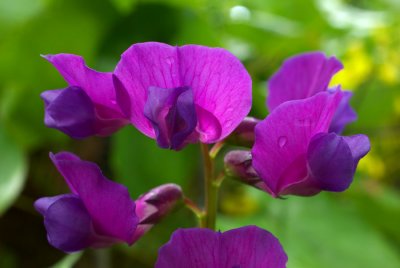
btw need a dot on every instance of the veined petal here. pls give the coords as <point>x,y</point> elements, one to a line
<point>248,246</point>
<point>221,85</point>
<point>281,140</point>
<point>108,203</point>
<point>300,77</point>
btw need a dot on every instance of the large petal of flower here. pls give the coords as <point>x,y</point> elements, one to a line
<point>300,77</point>
<point>282,139</point>
<point>220,84</point>
<point>248,246</point>
<point>108,203</point>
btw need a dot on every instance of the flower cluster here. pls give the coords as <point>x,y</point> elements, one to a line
<point>191,94</point>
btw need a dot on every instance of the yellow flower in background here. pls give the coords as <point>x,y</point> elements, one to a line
<point>373,166</point>
<point>357,67</point>
<point>388,73</point>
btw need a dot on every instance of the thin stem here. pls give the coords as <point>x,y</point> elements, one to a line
<point>215,149</point>
<point>211,189</point>
<point>194,208</point>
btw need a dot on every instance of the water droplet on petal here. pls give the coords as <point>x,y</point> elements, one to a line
<point>282,140</point>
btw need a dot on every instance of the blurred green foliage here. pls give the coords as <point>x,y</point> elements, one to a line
<point>358,228</point>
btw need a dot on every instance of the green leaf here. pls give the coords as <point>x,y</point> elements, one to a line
<point>13,168</point>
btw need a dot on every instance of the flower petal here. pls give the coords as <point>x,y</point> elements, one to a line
<point>359,146</point>
<point>42,204</point>
<point>248,246</point>
<point>172,114</point>
<point>300,77</point>
<point>330,162</point>
<point>71,111</point>
<point>251,246</point>
<point>68,224</point>
<point>220,84</point>
<point>344,114</point>
<point>98,85</point>
<point>195,248</point>
<point>108,203</point>
<point>281,140</point>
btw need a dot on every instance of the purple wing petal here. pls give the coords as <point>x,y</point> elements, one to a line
<point>71,111</point>
<point>300,77</point>
<point>251,246</point>
<point>220,84</point>
<point>359,146</point>
<point>42,204</point>
<point>172,114</point>
<point>68,224</point>
<point>281,141</point>
<point>202,248</point>
<point>195,248</point>
<point>330,162</point>
<point>108,203</point>
<point>99,86</point>
<point>344,114</point>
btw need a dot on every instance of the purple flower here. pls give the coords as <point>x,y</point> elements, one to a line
<point>180,95</point>
<point>87,106</point>
<point>305,75</point>
<point>248,246</point>
<point>98,212</point>
<point>294,153</point>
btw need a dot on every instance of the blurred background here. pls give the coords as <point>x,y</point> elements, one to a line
<point>357,228</point>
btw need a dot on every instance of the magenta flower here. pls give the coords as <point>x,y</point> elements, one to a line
<point>294,153</point>
<point>248,246</point>
<point>99,212</point>
<point>180,95</point>
<point>87,106</point>
<point>305,75</point>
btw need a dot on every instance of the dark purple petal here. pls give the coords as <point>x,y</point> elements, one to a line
<point>71,111</point>
<point>172,114</point>
<point>359,146</point>
<point>344,114</point>
<point>281,141</point>
<point>155,205</point>
<point>68,224</point>
<point>108,203</point>
<point>330,162</point>
<point>221,86</point>
<point>300,77</point>
<point>248,246</point>
<point>42,204</point>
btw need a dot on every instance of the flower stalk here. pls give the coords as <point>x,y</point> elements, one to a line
<point>210,188</point>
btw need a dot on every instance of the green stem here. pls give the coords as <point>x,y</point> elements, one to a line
<point>211,189</point>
